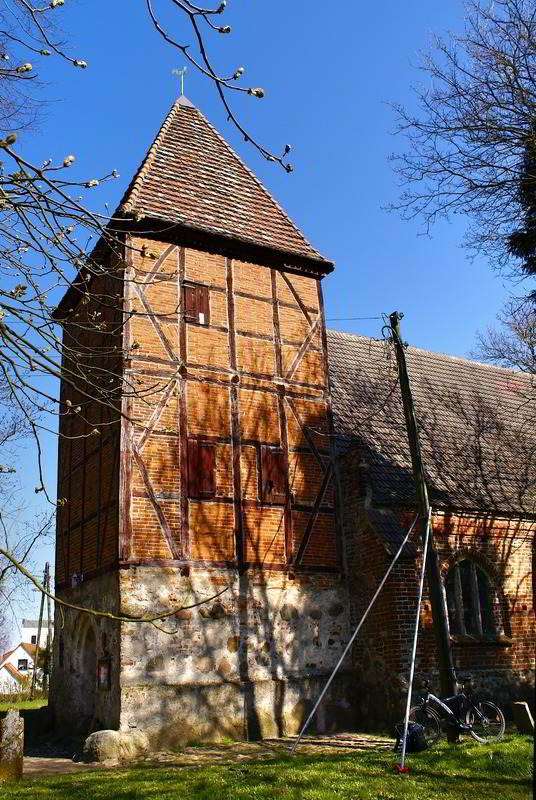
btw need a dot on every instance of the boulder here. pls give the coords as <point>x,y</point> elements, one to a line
<point>115,746</point>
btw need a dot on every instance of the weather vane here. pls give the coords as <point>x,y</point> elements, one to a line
<point>180,74</point>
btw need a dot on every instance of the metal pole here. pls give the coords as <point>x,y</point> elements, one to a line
<point>352,638</point>
<point>447,672</point>
<point>415,637</point>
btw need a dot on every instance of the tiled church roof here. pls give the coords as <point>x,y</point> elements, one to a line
<point>191,176</point>
<point>477,434</point>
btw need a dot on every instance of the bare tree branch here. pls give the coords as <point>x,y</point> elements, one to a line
<point>475,117</point>
<point>54,242</point>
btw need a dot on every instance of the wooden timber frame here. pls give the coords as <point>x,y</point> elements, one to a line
<point>270,379</point>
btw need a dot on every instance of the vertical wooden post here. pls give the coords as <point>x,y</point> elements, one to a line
<point>39,629</point>
<point>48,657</point>
<point>447,673</point>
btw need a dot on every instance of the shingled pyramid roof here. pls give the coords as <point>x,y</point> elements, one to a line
<point>192,177</point>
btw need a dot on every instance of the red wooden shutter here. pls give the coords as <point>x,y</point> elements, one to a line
<point>207,471</point>
<point>273,475</point>
<point>201,469</point>
<point>203,306</point>
<point>191,308</point>
<point>196,304</point>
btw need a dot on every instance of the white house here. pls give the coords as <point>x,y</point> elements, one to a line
<point>11,680</point>
<point>30,629</point>
<point>16,667</point>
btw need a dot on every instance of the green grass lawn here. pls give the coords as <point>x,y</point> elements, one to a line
<point>461,772</point>
<point>39,702</point>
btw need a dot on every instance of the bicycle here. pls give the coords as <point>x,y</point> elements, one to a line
<point>481,719</point>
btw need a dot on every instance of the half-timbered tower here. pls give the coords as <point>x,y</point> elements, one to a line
<point>213,494</point>
<point>196,484</point>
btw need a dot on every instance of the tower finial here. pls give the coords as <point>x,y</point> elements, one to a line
<point>179,73</point>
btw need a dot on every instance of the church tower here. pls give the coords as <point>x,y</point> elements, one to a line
<point>212,493</point>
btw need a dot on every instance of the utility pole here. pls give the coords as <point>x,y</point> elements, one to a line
<point>39,629</point>
<point>447,672</point>
<point>48,657</point>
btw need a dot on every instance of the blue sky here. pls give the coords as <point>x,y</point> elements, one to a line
<point>328,78</point>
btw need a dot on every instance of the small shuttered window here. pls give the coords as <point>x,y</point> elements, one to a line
<point>201,469</point>
<point>196,303</point>
<point>273,475</point>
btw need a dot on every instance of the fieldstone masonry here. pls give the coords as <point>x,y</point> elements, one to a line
<point>247,664</point>
<point>242,665</point>
<point>79,701</point>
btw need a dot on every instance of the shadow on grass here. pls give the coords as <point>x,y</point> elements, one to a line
<point>487,773</point>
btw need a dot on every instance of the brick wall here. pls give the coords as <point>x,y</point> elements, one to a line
<point>503,549</point>
<point>503,668</point>
<point>253,377</point>
<point>88,446</point>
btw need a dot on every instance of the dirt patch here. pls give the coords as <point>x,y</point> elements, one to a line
<point>235,752</point>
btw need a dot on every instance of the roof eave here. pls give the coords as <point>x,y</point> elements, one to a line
<point>317,262</point>
<point>287,260</point>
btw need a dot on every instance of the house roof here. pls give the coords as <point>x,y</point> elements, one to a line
<point>477,435</point>
<point>14,672</point>
<point>191,176</point>
<point>29,649</point>
<point>6,655</point>
<point>34,623</point>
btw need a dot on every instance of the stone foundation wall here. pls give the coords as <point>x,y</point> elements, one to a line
<point>248,663</point>
<point>84,645</point>
<point>173,715</point>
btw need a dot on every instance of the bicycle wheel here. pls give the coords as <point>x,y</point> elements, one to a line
<point>430,722</point>
<point>488,728</point>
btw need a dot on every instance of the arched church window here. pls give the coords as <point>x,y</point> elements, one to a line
<point>472,601</point>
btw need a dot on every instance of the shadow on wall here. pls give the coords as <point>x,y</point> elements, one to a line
<point>225,643</point>
<point>475,458</point>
